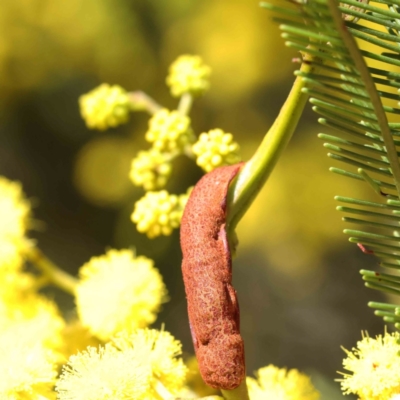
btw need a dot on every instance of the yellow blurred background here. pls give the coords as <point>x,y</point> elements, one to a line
<point>297,276</point>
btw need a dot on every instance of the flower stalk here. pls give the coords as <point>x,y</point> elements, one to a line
<point>53,273</point>
<point>256,171</point>
<point>142,101</point>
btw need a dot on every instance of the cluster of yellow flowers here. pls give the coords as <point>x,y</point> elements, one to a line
<point>134,300</point>
<point>188,72</point>
<point>170,131</point>
<point>109,351</point>
<point>30,325</point>
<point>137,366</point>
<point>170,134</point>
<point>151,169</point>
<point>375,367</point>
<point>216,148</point>
<point>105,107</point>
<point>281,384</point>
<point>15,219</point>
<point>158,213</point>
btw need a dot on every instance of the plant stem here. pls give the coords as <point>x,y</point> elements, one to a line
<point>162,391</point>
<point>140,101</point>
<point>240,393</point>
<point>54,274</point>
<point>256,171</point>
<point>185,104</point>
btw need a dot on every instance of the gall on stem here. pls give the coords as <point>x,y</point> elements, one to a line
<point>207,273</point>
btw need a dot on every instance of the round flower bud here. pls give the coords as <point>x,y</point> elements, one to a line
<point>188,74</point>
<point>169,131</point>
<point>158,213</point>
<point>105,107</point>
<point>150,169</point>
<point>215,149</point>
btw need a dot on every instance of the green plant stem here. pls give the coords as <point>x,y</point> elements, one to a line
<point>140,101</point>
<point>240,393</point>
<point>185,104</point>
<point>53,273</point>
<point>256,171</point>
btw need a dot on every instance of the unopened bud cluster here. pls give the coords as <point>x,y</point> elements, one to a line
<point>169,133</point>
<point>151,169</point>
<point>158,213</point>
<point>188,74</point>
<point>215,149</point>
<point>105,107</point>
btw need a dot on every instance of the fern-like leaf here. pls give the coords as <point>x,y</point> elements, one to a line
<point>359,102</point>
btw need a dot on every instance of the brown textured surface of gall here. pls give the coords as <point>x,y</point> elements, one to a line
<point>207,273</point>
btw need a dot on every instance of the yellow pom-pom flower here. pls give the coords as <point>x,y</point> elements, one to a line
<point>375,367</point>
<point>15,214</point>
<point>27,369</point>
<point>16,288</point>
<point>104,373</point>
<point>21,306</point>
<point>160,350</point>
<point>105,107</point>
<point>76,338</point>
<point>281,384</point>
<point>188,74</point>
<point>169,131</point>
<point>118,291</point>
<point>215,149</point>
<point>143,365</point>
<point>159,213</point>
<point>150,169</point>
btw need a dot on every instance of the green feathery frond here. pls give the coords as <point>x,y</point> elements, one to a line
<point>354,88</point>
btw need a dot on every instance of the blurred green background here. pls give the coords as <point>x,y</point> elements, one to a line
<point>297,277</point>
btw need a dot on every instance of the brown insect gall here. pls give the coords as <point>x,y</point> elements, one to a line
<point>207,273</point>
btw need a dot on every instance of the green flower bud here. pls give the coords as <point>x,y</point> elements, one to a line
<point>215,149</point>
<point>188,74</point>
<point>150,169</point>
<point>169,131</point>
<point>105,107</point>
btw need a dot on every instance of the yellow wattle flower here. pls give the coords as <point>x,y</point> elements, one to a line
<point>150,169</point>
<point>134,365</point>
<point>76,338</point>
<point>15,214</point>
<point>28,370</point>
<point>281,384</point>
<point>161,351</point>
<point>169,131</point>
<point>214,149</point>
<point>375,368</point>
<point>21,307</point>
<point>188,74</point>
<point>104,373</point>
<point>159,213</point>
<point>119,291</point>
<point>105,107</point>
